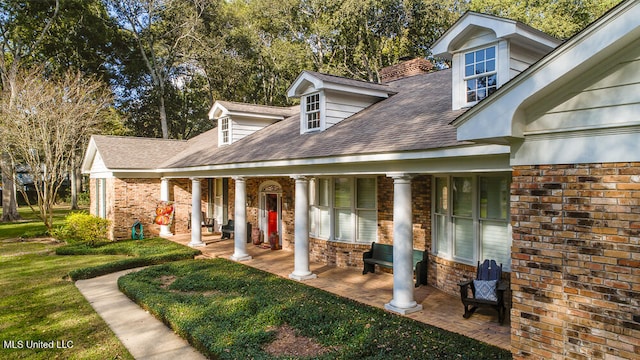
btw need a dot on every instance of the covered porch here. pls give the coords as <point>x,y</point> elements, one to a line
<point>438,308</point>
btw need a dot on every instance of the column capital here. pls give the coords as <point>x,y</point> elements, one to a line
<point>300,177</point>
<point>401,176</point>
<point>239,178</point>
<point>195,179</point>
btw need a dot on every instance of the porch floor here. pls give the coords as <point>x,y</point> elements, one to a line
<point>438,308</point>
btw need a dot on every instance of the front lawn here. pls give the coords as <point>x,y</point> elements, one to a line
<point>230,311</point>
<point>30,225</point>
<point>39,306</point>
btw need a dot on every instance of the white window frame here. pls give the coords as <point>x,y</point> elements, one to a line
<point>478,221</point>
<point>316,209</point>
<point>224,124</point>
<point>475,76</point>
<point>318,111</point>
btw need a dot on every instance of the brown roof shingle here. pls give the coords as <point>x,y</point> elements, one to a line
<point>418,117</point>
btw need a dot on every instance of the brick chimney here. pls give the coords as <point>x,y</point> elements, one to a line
<point>405,69</point>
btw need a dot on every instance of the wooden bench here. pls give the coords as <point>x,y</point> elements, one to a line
<point>382,255</point>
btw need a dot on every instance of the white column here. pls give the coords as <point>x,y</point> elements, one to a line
<point>196,213</point>
<point>240,222</point>
<point>301,269</point>
<point>165,230</point>
<point>403,298</point>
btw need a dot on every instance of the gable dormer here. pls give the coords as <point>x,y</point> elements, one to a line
<point>487,51</point>
<point>325,100</point>
<point>237,120</point>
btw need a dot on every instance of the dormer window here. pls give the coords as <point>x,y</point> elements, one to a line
<point>312,112</point>
<point>480,73</point>
<point>224,130</point>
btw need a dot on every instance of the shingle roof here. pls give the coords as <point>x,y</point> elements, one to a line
<point>350,82</point>
<point>121,152</point>
<point>260,109</point>
<point>418,117</point>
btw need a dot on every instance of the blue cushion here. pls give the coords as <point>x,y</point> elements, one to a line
<point>485,289</point>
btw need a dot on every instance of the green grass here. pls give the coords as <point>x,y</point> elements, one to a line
<point>140,253</point>
<point>37,303</point>
<point>30,225</point>
<point>229,311</point>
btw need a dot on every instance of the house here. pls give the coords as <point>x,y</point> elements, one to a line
<point>526,151</point>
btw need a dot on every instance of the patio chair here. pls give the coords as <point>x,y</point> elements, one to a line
<point>487,289</point>
<point>227,230</point>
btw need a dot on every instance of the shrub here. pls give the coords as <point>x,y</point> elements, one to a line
<point>80,227</point>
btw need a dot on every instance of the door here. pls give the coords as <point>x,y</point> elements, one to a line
<point>270,209</point>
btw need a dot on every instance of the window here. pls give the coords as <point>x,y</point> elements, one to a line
<point>101,198</point>
<point>344,209</point>
<point>470,218</point>
<point>312,112</point>
<point>224,130</point>
<point>480,73</point>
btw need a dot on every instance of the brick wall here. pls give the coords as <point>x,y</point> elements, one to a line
<point>576,261</point>
<point>136,200</point>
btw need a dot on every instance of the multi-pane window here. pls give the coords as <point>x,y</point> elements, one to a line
<point>344,209</point>
<point>480,73</point>
<point>224,130</point>
<point>470,218</point>
<point>312,111</point>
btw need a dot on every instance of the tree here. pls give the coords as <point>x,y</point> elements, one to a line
<point>15,22</point>
<point>57,35</point>
<point>46,122</point>
<point>163,32</point>
<point>559,18</point>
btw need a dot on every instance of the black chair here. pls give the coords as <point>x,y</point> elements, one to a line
<point>487,290</point>
<point>227,230</point>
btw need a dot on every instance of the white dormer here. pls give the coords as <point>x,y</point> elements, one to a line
<point>487,51</point>
<point>325,100</point>
<point>237,120</point>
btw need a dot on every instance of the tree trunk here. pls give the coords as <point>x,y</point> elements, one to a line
<point>9,204</point>
<point>163,115</point>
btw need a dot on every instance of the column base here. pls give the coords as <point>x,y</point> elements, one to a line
<point>239,258</point>
<point>197,244</point>
<point>403,311</point>
<point>303,277</point>
<point>166,234</point>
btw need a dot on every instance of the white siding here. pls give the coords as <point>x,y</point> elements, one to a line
<point>341,106</point>
<point>594,119</point>
<point>612,99</point>
<point>245,126</point>
<point>521,58</point>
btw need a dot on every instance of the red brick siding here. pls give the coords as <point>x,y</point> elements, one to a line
<point>576,261</point>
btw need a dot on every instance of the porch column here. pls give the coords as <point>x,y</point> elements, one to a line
<point>240,222</point>
<point>196,213</point>
<point>403,300</point>
<point>301,269</point>
<point>165,230</point>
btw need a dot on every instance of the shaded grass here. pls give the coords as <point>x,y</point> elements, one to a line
<point>229,311</point>
<point>38,304</point>
<point>30,225</point>
<point>140,253</point>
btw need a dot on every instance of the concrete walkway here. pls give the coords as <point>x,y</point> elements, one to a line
<point>142,334</point>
